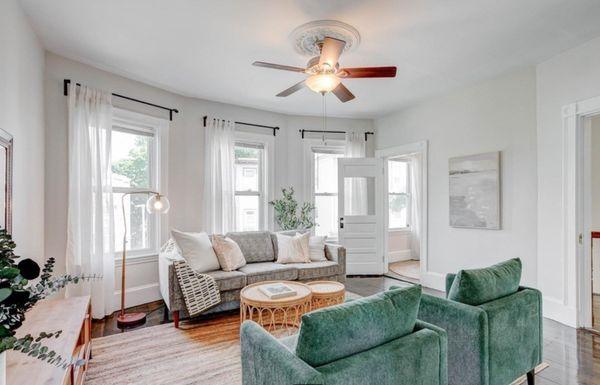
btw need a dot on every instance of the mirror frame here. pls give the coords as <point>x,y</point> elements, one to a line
<point>6,141</point>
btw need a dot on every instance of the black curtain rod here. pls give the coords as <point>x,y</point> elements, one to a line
<point>274,128</point>
<point>66,83</point>
<point>333,132</point>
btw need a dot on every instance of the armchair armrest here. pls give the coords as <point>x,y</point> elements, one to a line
<point>266,361</point>
<point>420,325</point>
<point>467,328</point>
<point>336,253</point>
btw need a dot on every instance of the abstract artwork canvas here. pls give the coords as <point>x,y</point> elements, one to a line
<point>475,191</point>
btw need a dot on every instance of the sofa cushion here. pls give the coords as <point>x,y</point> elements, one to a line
<point>268,271</point>
<point>256,246</point>
<point>335,332</point>
<point>228,280</point>
<point>478,286</point>
<point>316,269</point>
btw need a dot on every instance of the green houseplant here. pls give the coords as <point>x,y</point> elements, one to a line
<point>18,294</point>
<point>286,212</point>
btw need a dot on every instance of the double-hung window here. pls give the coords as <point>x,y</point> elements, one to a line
<point>250,184</point>
<point>398,194</point>
<point>134,161</point>
<point>324,166</point>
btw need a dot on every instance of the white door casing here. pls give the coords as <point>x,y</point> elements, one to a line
<point>362,233</point>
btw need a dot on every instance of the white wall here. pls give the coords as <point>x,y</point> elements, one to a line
<point>399,246</point>
<point>186,154</point>
<point>22,115</point>
<point>564,79</point>
<point>495,115</point>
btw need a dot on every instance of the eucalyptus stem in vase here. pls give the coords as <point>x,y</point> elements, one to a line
<point>19,293</point>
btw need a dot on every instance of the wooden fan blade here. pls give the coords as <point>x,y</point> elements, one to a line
<point>367,72</point>
<point>331,51</point>
<point>292,89</point>
<point>343,93</point>
<point>278,66</point>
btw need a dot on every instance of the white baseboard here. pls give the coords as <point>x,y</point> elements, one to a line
<point>433,280</point>
<point>399,255</point>
<point>557,311</point>
<point>138,295</point>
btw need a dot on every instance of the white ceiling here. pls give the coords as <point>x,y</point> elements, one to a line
<point>205,48</point>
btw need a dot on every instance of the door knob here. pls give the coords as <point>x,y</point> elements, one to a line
<point>341,223</point>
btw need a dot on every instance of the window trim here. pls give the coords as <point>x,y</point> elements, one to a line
<point>133,122</point>
<point>336,146</point>
<point>266,175</point>
<point>407,228</point>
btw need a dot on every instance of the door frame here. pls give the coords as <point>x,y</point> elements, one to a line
<point>577,200</point>
<point>428,278</point>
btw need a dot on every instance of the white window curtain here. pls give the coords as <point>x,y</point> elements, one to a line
<point>90,227</point>
<point>355,189</point>
<point>219,162</point>
<point>416,172</point>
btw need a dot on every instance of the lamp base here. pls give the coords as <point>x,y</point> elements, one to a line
<point>131,319</point>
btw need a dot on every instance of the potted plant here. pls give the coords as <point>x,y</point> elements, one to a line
<point>286,212</point>
<point>19,293</point>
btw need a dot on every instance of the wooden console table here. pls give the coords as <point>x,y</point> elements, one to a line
<point>71,315</point>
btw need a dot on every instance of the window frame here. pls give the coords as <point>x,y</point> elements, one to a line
<point>265,176</point>
<point>407,228</point>
<point>310,145</point>
<point>141,124</point>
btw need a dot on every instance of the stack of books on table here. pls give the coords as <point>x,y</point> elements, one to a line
<point>277,290</point>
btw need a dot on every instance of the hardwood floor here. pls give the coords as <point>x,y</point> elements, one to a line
<point>573,355</point>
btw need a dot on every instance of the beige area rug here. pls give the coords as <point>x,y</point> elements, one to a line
<point>408,270</point>
<point>206,352</point>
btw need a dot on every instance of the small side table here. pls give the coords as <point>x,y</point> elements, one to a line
<point>275,314</point>
<point>326,293</point>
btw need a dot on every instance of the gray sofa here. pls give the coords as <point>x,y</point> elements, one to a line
<point>260,251</point>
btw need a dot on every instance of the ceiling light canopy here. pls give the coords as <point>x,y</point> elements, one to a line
<point>322,83</point>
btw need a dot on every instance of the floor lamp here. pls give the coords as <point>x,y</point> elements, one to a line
<point>156,203</point>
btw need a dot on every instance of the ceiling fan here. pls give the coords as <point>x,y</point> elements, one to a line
<point>326,74</point>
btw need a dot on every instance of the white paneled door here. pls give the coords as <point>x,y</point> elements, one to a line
<point>360,208</point>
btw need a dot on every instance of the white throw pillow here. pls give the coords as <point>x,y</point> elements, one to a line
<point>228,252</point>
<point>293,249</point>
<point>316,246</point>
<point>197,251</point>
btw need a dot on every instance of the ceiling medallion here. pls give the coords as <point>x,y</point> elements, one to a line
<point>305,37</point>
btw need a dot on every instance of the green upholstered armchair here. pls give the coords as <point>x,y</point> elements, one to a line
<point>496,336</point>
<point>372,340</point>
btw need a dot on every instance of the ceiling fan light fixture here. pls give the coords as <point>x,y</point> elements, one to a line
<point>322,82</point>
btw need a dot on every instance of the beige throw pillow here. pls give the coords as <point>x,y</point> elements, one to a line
<point>293,249</point>
<point>316,245</point>
<point>197,251</point>
<point>228,252</point>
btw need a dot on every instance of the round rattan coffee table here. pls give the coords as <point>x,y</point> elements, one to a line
<point>326,293</point>
<point>275,314</point>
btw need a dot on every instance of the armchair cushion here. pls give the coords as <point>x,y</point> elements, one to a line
<point>478,286</point>
<point>413,359</point>
<point>332,333</point>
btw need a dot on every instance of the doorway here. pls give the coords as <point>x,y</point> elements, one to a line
<point>404,208</point>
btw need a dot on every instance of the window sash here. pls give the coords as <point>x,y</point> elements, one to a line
<point>261,176</point>
<point>144,130</point>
